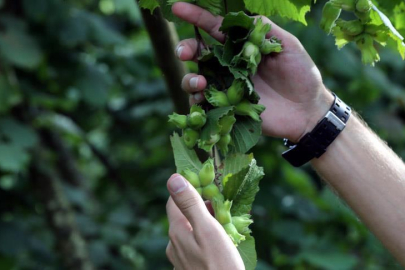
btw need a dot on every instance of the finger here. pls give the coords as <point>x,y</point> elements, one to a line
<point>170,252</point>
<point>188,201</point>
<point>200,18</point>
<point>196,98</point>
<point>192,83</point>
<point>180,231</point>
<point>186,50</point>
<point>174,215</point>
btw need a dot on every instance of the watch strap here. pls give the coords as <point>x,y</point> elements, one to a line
<point>315,143</point>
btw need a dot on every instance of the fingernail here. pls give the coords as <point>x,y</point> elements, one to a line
<point>194,82</point>
<point>198,97</point>
<point>179,50</point>
<point>177,184</point>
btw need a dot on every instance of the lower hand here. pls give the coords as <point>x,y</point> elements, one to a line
<point>289,83</point>
<point>197,240</point>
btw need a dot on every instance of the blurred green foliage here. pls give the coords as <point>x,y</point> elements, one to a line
<point>84,70</point>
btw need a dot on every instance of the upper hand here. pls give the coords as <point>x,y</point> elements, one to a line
<point>197,240</point>
<point>289,83</point>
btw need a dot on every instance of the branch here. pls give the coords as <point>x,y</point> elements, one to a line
<point>66,162</point>
<point>164,39</point>
<point>60,217</point>
<point>114,175</point>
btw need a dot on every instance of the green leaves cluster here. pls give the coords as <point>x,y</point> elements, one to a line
<point>228,122</point>
<point>239,180</point>
<point>291,9</point>
<point>232,120</point>
<point>16,139</point>
<point>17,46</point>
<point>370,26</point>
<point>378,22</point>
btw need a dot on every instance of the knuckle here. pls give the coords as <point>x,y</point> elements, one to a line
<point>173,236</point>
<point>168,250</point>
<point>198,21</point>
<point>296,42</point>
<point>188,203</point>
<point>215,28</point>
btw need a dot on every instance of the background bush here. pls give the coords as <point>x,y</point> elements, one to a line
<point>83,125</point>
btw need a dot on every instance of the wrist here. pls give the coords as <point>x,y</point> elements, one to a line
<point>318,109</point>
<point>316,142</point>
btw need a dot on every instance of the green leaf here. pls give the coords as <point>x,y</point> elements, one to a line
<point>212,68</point>
<point>185,159</point>
<point>243,74</point>
<point>341,38</point>
<point>213,6</point>
<point>291,9</point>
<point>235,5</point>
<point>149,4</point>
<point>233,163</point>
<point>166,8</point>
<point>225,54</point>
<point>9,95</point>
<point>393,34</point>
<point>102,32</point>
<point>36,10</point>
<point>245,134</point>
<point>399,16</point>
<point>247,251</point>
<point>212,126</point>
<point>12,157</point>
<point>300,181</point>
<point>389,5</point>
<point>236,21</point>
<point>17,46</point>
<point>232,182</point>
<point>235,169</point>
<point>329,260</point>
<point>94,85</point>
<point>246,193</point>
<point>76,30</point>
<point>17,133</point>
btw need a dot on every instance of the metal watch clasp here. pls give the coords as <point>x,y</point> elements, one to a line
<point>332,118</point>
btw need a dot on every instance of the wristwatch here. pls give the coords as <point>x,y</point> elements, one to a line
<point>315,143</point>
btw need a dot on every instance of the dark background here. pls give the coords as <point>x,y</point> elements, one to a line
<point>85,152</point>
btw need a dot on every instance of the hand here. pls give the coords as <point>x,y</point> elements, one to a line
<point>197,240</point>
<point>289,83</point>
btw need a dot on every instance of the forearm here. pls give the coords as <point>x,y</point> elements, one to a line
<point>370,177</point>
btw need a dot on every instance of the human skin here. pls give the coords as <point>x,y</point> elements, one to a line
<point>358,165</point>
<point>195,235</point>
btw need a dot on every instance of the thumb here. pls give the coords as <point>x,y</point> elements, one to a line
<point>188,200</point>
